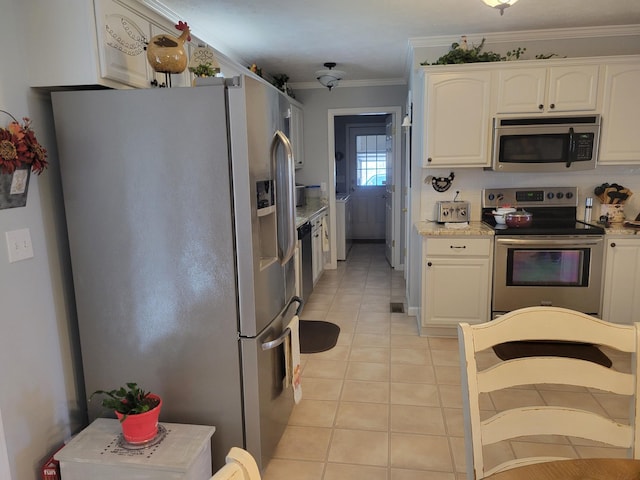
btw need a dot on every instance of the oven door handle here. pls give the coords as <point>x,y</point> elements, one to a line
<point>553,242</point>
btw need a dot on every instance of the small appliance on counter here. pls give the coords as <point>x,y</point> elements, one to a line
<point>301,199</point>
<point>452,211</point>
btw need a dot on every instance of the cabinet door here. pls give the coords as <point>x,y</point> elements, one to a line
<point>455,290</point>
<point>572,88</point>
<point>621,302</point>
<point>297,137</point>
<point>122,38</point>
<point>619,139</point>
<point>457,119</point>
<point>543,90</point>
<point>521,90</point>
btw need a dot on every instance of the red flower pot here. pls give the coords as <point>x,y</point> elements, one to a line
<point>141,427</point>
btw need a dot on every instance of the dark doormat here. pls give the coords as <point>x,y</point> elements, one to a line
<point>581,351</point>
<point>317,336</point>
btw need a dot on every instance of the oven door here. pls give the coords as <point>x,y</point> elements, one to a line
<point>559,271</point>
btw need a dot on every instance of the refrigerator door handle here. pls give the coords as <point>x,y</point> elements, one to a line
<point>284,192</point>
<point>278,341</point>
<point>300,304</point>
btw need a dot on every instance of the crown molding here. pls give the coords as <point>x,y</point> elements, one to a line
<point>382,82</point>
<point>530,35</point>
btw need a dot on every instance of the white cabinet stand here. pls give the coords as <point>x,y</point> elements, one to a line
<point>95,453</point>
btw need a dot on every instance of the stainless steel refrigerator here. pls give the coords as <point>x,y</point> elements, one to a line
<point>180,210</point>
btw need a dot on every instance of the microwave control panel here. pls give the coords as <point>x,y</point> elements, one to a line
<point>584,146</point>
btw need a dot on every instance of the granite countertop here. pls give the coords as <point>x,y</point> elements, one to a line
<point>433,229</point>
<point>620,229</point>
<point>312,208</point>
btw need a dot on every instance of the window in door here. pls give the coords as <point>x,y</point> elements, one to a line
<point>371,160</point>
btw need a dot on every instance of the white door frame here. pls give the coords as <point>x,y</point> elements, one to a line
<point>397,150</point>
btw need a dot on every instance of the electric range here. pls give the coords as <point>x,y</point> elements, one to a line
<point>557,261</point>
<point>553,208</point>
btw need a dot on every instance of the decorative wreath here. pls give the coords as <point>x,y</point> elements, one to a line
<point>19,147</point>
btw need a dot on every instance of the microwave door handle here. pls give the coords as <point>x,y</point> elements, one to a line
<point>571,149</point>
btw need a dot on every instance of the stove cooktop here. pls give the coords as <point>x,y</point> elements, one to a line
<point>542,227</point>
<point>553,209</point>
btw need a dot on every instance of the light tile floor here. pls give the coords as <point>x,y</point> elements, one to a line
<point>385,403</point>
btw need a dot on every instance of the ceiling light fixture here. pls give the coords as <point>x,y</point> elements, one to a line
<point>329,78</point>
<point>500,4</point>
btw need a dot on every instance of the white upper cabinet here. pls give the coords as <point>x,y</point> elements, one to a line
<point>122,38</point>
<point>296,133</point>
<point>619,138</point>
<point>457,123</point>
<point>571,88</point>
<point>99,42</point>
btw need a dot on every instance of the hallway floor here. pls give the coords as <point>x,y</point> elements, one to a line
<point>385,404</point>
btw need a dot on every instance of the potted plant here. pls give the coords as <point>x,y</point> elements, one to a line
<point>205,70</point>
<point>137,410</point>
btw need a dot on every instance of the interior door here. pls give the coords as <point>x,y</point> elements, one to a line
<point>388,195</point>
<point>367,160</point>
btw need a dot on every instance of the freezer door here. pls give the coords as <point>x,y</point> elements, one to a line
<point>268,401</point>
<point>264,203</point>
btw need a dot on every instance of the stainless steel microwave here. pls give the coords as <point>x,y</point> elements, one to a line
<point>545,144</point>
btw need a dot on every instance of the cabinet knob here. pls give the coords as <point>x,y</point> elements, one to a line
<point>429,264</point>
<point>613,244</point>
<point>540,107</point>
<point>429,159</point>
<point>552,106</point>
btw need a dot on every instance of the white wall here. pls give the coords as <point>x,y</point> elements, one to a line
<point>317,103</point>
<point>38,393</point>
<point>577,42</point>
<point>470,183</point>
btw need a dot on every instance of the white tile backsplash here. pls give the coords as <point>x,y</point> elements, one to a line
<point>470,182</point>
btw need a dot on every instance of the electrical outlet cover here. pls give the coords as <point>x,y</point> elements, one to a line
<point>19,245</point>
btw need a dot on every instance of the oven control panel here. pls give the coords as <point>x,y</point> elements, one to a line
<point>530,197</point>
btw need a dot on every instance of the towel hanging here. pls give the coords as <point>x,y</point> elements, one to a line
<point>325,235</point>
<point>293,369</point>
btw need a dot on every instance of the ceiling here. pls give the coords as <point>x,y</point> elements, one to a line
<point>369,39</point>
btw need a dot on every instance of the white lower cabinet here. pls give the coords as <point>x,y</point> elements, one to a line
<point>456,283</point>
<point>621,299</point>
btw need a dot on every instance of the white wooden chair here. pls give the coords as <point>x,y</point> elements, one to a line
<point>240,465</point>
<point>554,324</point>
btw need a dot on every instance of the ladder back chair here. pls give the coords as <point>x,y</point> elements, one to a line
<point>554,325</point>
<point>240,465</point>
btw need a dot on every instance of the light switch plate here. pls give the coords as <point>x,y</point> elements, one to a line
<point>19,245</point>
